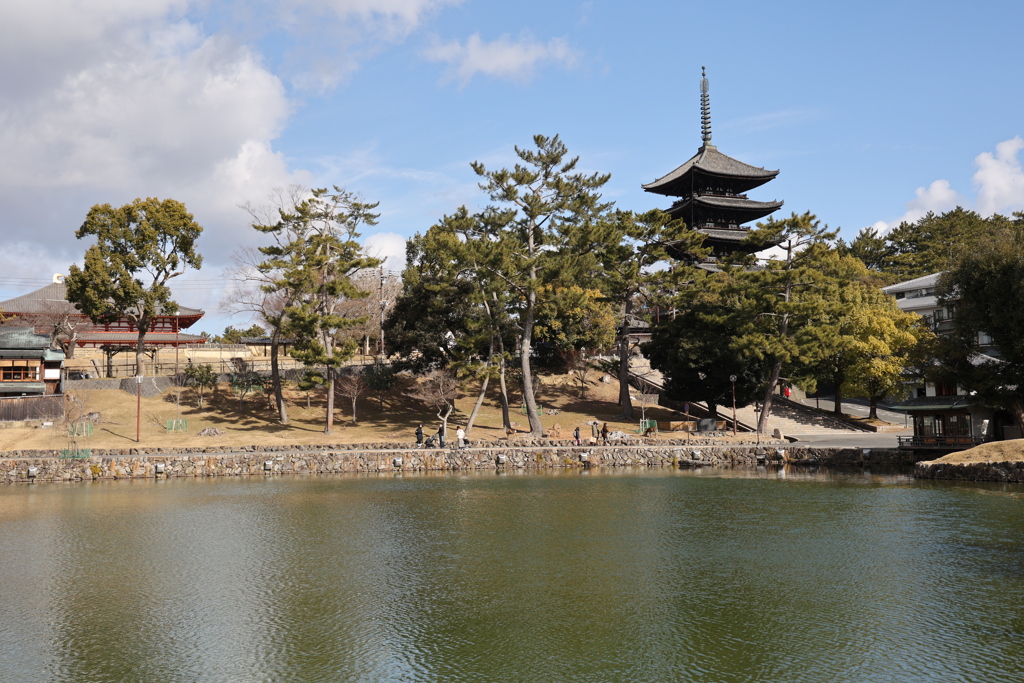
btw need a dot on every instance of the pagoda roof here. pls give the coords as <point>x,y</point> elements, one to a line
<point>742,208</point>
<point>741,203</point>
<point>712,162</point>
<point>53,298</point>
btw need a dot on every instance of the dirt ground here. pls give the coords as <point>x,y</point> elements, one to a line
<point>253,422</point>
<point>996,451</point>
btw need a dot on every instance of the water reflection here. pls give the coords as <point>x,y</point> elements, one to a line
<point>592,575</point>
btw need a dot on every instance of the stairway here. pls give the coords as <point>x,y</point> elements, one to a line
<point>789,418</point>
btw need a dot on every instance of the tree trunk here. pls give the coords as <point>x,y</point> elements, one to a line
<point>1017,409</point>
<point>840,379</point>
<point>354,409</point>
<point>766,408</point>
<point>873,412</point>
<point>624,400</point>
<point>140,348</point>
<point>524,361</point>
<point>275,376</point>
<point>506,419</point>
<point>483,387</point>
<point>330,401</point>
<point>444,420</point>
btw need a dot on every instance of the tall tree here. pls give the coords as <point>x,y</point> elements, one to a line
<point>139,248</point>
<point>639,243</point>
<point>863,340</point>
<point>315,254</point>
<point>986,286</point>
<point>776,303</point>
<point>696,353</point>
<point>546,210</point>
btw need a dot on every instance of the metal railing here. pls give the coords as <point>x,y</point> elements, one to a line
<point>941,442</point>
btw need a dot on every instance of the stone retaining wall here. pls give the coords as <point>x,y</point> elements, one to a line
<point>269,462</point>
<point>979,471</point>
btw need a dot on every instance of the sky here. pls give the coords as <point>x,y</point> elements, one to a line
<point>874,112</point>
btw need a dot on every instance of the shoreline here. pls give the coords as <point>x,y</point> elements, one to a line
<point>276,460</point>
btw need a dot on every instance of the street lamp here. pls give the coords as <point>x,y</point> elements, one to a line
<point>732,378</point>
<point>138,407</point>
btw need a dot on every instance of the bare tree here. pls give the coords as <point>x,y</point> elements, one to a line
<point>438,389</point>
<point>384,287</point>
<point>578,366</point>
<point>352,386</point>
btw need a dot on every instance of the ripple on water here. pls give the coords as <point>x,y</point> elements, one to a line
<point>632,577</point>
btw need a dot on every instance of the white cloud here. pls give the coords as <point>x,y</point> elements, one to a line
<point>515,60</point>
<point>937,197</point>
<point>389,246</point>
<point>999,179</point>
<point>998,183</point>
<point>329,39</point>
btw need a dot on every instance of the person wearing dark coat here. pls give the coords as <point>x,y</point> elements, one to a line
<point>440,436</point>
<point>604,434</point>
<point>419,435</point>
<point>576,436</point>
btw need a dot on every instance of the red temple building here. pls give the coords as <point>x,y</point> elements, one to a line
<point>711,191</point>
<point>45,307</point>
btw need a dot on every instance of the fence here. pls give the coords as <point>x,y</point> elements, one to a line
<point>100,369</point>
<point>31,408</point>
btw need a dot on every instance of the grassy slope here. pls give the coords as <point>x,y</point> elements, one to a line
<point>256,423</point>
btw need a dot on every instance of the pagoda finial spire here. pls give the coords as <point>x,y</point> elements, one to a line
<point>705,109</point>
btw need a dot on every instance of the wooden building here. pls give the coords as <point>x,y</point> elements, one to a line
<point>28,366</point>
<point>45,307</point>
<point>710,191</point>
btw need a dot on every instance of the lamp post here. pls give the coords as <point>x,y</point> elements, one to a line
<point>138,407</point>
<point>732,378</point>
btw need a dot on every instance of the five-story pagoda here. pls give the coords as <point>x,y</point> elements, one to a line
<point>711,189</point>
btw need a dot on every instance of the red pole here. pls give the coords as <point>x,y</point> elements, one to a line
<point>138,409</point>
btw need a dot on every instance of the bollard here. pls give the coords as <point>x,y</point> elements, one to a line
<point>159,468</point>
<point>397,462</point>
<point>500,459</point>
<point>584,457</point>
<point>268,465</point>
<point>32,472</point>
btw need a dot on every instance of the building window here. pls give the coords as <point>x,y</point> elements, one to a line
<point>945,389</point>
<point>20,373</point>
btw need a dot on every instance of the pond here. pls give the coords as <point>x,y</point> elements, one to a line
<point>627,575</point>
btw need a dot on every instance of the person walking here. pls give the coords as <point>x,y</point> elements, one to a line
<point>576,436</point>
<point>460,435</point>
<point>604,434</point>
<point>440,436</point>
<point>419,435</point>
<point>595,433</point>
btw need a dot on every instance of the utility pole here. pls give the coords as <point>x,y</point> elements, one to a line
<point>383,305</point>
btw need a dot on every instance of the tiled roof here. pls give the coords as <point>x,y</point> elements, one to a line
<point>93,336</point>
<point>710,160</point>
<point>23,338</point>
<point>53,298</point>
<point>916,283</point>
<point>736,203</point>
<point>933,403</point>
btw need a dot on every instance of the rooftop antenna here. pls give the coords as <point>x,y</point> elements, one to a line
<point>705,110</point>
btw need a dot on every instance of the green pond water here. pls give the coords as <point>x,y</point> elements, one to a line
<point>746,575</point>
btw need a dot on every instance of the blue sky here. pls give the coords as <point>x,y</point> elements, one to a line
<point>872,111</point>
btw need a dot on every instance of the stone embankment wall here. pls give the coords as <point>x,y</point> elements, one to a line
<point>978,471</point>
<point>267,461</point>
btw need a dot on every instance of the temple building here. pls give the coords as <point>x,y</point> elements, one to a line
<point>711,191</point>
<point>47,308</point>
